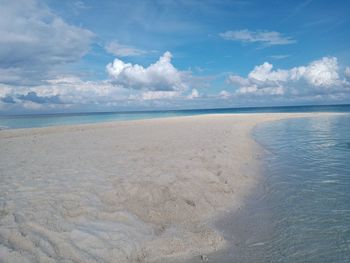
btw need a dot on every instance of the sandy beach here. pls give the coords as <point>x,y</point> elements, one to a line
<point>134,191</point>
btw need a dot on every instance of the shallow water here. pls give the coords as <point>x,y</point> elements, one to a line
<point>308,189</point>
<point>301,210</point>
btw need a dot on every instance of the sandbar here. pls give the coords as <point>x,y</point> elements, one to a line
<point>131,191</point>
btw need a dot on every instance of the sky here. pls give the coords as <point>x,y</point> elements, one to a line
<point>85,55</point>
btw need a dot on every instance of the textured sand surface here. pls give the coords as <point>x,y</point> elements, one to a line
<point>138,191</point>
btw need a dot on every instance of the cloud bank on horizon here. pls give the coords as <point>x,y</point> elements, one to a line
<point>58,57</point>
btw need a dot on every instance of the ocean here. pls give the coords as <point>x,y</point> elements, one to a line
<point>44,120</point>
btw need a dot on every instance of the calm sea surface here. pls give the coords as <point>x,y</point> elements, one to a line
<point>301,210</point>
<point>30,121</point>
<point>307,189</point>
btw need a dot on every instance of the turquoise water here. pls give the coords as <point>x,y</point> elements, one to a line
<point>32,121</point>
<point>29,121</point>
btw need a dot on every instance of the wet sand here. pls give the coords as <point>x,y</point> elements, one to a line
<point>135,191</point>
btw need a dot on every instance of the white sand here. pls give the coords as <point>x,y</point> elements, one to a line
<point>137,191</point>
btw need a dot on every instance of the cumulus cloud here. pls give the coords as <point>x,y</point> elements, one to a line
<point>34,40</point>
<point>194,94</point>
<point>321,73</point>
<point>160,76</point>
<point>64,90</point>
<point>8,99</point>
<point>33,97</point>
<point>157,95</point>
<point>31,100</point>
<point>240,81</point>
<point>347,72</point>
<point>71,91</point>
<point>267,38</point>
<point>224,94</point>
<point>319,77</point>
<point>121,50</point>
<point>30,105</point>
<point>129,85</point>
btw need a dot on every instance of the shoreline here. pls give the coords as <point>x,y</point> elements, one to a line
<point>114,121</point>
<point>136,191</point>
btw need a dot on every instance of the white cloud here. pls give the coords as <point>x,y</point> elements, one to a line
<point>254,89</point>
<point>71,91</point>
<point>160,76</point>
<point>323,72</point>
<point>268,38</point>
<point>347,72</point>
<point>157,95</point>
<point>4,90</point>
<point>80,5</point>
<point>224,94</point>
<point>235,79</point>
<point>121,50</point>
<point>34,39</point>
<point>30,105</point>
<point>130,86</point>
<point>319,77</point>
<point>66,90</point>
<point>279,56</point>
<point>194,94</point>
<point>264,73</point>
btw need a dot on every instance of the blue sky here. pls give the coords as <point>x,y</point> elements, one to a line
<point>66,56</point>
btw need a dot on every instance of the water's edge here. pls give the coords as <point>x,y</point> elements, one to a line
<point>273,225</point>
<point>244,229</point>
<point>46,120</point>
